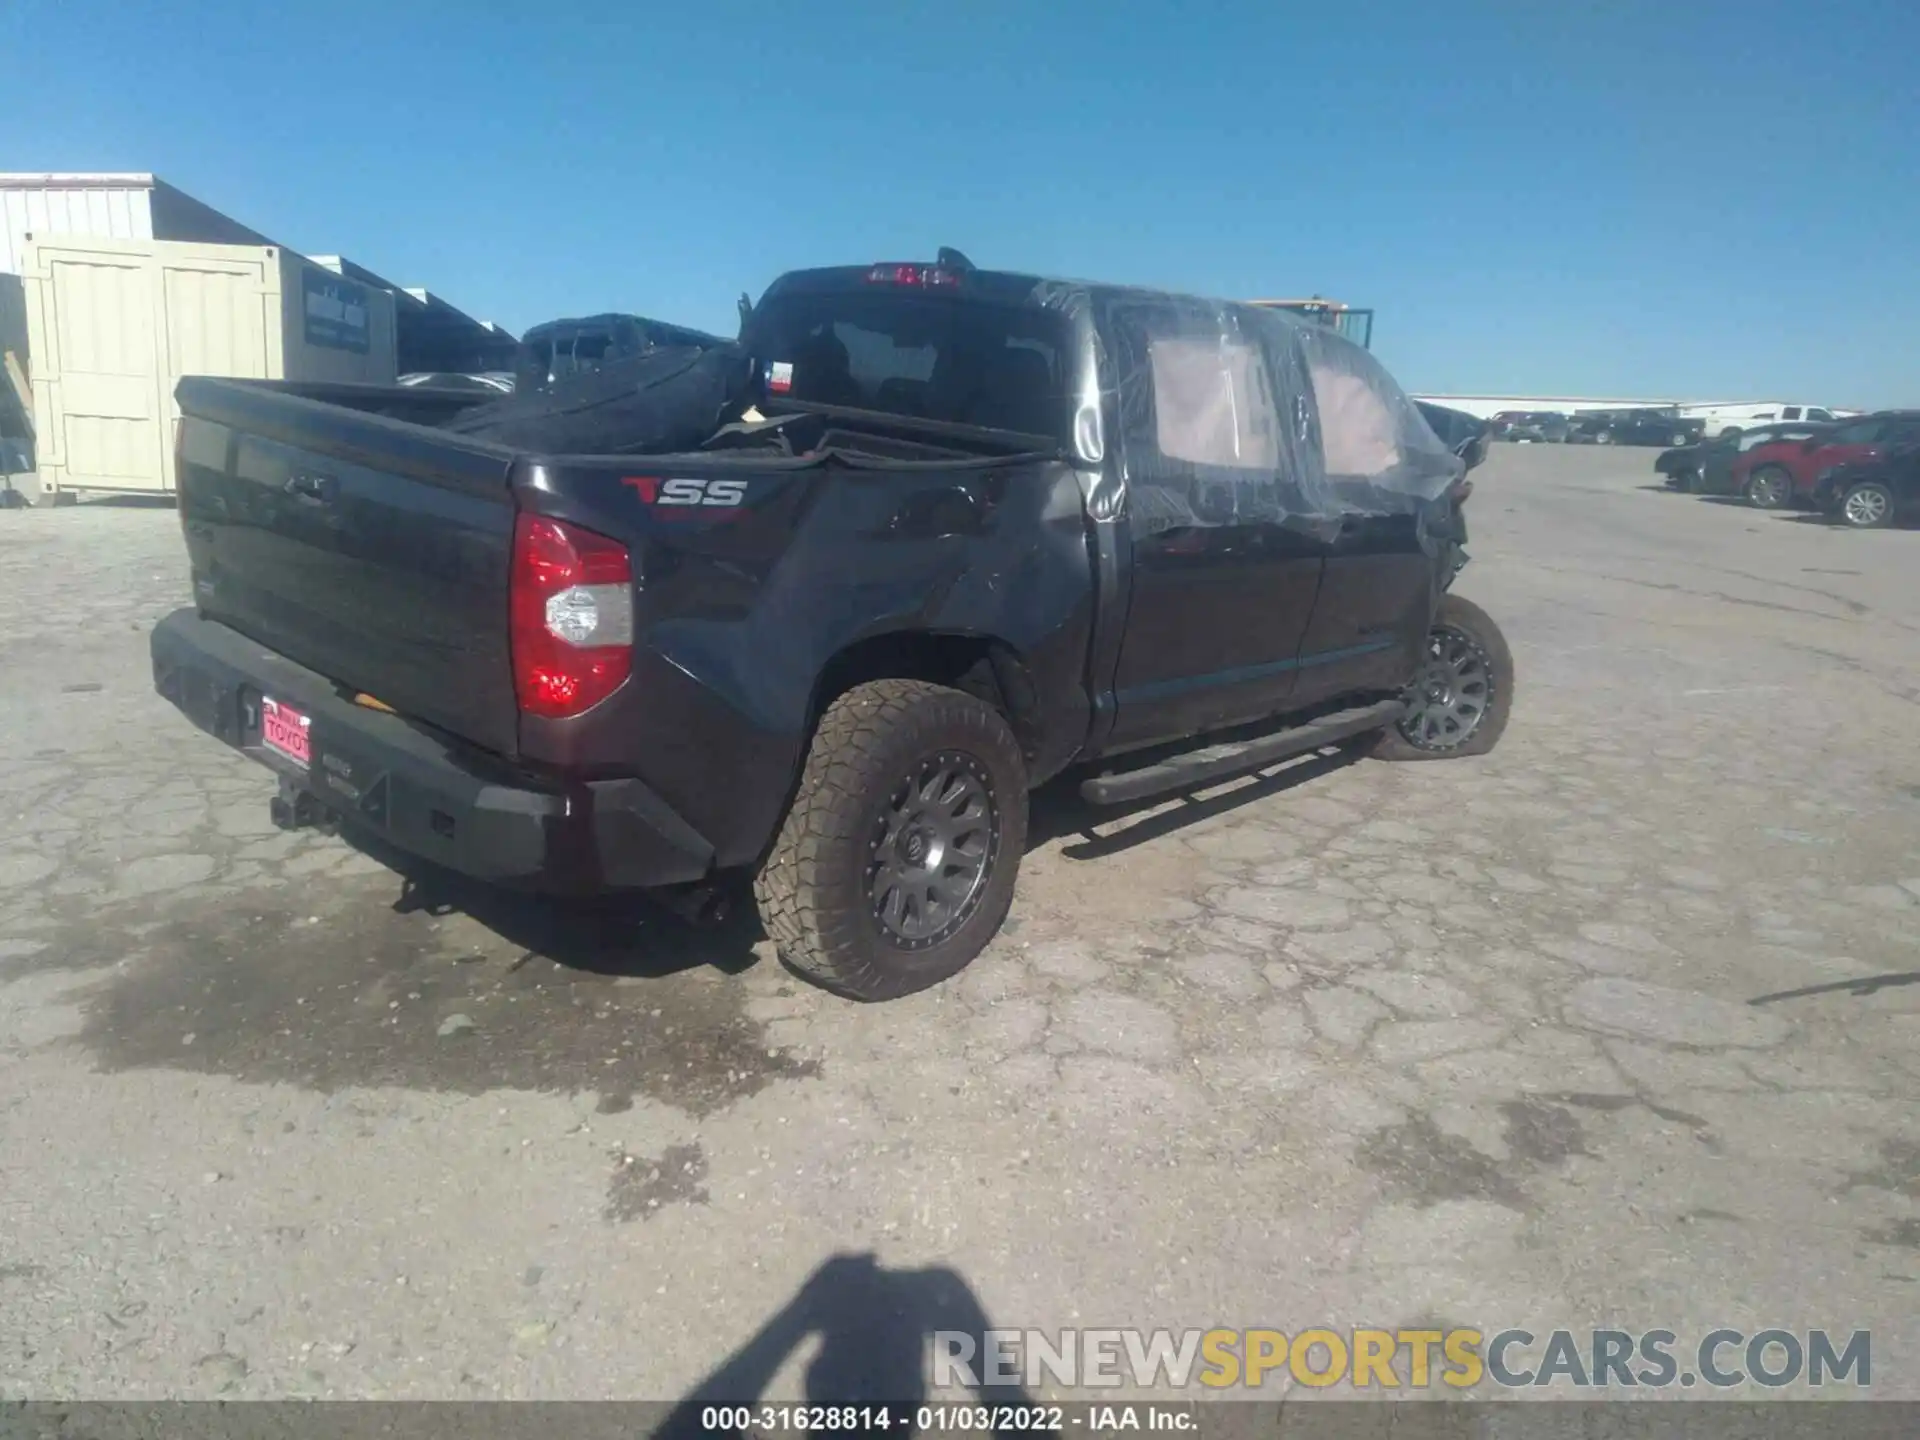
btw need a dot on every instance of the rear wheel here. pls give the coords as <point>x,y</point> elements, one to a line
<point>1867,505</point>
<point>1769,488</point>
<point>1459,701</point>
<point>896,864</point>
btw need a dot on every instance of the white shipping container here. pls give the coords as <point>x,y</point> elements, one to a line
<point>114,324</point>
<point>106,206</point>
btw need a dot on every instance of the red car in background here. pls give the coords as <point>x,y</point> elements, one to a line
<point>1787,472</point>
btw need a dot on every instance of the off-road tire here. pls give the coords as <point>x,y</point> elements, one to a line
<point>1463,618</point>
<point>813,893</point>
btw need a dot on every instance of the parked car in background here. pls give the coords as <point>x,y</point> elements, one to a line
<point>1873,494</point>
<point>1526,427</point>
<point>1468,436</point>
<point>1706,466</point>
<point>1633,427</point>
<point>1785,472</point>
<point>1719,420</point>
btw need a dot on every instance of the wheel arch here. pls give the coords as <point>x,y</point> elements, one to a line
<point>988,667</point>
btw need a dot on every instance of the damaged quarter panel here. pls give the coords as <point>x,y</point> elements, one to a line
<point>739,619</point>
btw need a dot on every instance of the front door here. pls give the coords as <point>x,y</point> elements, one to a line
<point>1370,619</point>
<point>1382,573</point>
<point>1221,588</point>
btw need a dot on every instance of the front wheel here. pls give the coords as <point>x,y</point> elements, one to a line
<point>897,861</point>
<point>1867,505</point>
<point>1769,488</point>
<point>1459,701</point>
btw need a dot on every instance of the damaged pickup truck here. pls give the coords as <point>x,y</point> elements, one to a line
<point>822,606</point>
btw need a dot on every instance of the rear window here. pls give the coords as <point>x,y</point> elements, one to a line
<point>967,363</point>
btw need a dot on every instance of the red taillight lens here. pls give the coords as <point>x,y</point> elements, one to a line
<point>570,615</point>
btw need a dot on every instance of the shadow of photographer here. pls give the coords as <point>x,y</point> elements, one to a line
<point>875,1327</point>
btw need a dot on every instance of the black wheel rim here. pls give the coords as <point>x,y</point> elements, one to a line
<point>1452,694</point>
<point>932,851</point>
<point>1866,506</point>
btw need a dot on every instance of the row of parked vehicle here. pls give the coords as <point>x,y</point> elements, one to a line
<point>1646,426</point>
<point>1864,472</point>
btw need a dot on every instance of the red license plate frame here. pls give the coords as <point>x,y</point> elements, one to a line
<point>287,732</point>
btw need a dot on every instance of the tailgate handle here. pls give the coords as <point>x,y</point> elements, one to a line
<point>318,488</point>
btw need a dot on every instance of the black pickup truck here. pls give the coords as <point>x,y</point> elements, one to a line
<point>953,533</point>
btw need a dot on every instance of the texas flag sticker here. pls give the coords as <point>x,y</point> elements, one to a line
<point>779,377</point>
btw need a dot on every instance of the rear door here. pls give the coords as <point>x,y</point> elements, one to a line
<point>369,550</point>
<point>1221,587</point>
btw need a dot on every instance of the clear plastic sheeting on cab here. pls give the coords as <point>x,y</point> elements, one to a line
<point>1378,454</point>
<point>1228,414</point>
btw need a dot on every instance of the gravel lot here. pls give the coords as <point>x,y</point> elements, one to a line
<point>1351,1044</point>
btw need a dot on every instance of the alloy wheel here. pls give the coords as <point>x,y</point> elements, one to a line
<point>1768,490</point>
<point>1451,695</point>
<point>1866,507</point>
<point>933,847</point>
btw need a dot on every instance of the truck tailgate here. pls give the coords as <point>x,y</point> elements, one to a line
<point>372,551</point>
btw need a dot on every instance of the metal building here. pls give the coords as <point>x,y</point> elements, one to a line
<point>107,207</point>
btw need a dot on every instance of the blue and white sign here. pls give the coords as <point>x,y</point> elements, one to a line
<point>336,312</point>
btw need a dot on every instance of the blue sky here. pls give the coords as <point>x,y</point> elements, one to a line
<point>1716,198</point>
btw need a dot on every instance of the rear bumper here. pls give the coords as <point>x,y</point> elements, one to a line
<point>383,776</point>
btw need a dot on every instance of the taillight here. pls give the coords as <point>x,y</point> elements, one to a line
<point>570,613</point>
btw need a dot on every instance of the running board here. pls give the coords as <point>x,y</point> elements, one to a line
<point>1217,762</point>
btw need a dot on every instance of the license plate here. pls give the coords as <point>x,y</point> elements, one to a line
<point>286,731</point>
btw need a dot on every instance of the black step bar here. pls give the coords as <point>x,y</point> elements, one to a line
<point>1217,762</point>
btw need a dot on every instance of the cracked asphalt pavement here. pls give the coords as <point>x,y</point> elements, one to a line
<point>1617,1026</point>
